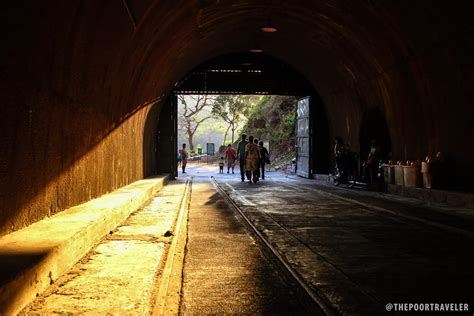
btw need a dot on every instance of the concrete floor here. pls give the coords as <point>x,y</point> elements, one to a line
<point>358,250</point>
<point>227,271</point>
<point>362,250</point>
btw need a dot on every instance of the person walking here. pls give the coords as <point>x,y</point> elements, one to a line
<point>252,156</point>
<point>230,156</point>
<point>241,156</point>
<point>221,165</point>
<point>257,172</point>
<point>184,157</point>
<point>264,159</point>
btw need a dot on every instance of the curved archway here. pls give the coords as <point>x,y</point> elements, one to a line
<point>244,73</point>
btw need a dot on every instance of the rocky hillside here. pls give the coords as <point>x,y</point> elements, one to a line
<point>273,119</point>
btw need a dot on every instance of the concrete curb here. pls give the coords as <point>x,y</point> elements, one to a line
<point>385,210</point>
<point>33,258</point>
<point>451,198</point>
<point>168,298</point>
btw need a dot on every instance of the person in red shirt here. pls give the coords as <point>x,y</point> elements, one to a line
<point>230,156</point>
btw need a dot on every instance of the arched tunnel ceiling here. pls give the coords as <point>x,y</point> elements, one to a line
<point>356,54</point>
<point>334,44</point>
<point>244,73</point>
<point>409,59</point>
<point>84,81</point>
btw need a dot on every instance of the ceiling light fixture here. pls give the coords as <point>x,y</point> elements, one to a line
<point>269,29</point>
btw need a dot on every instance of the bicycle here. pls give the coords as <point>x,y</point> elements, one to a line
<point>347,170</point>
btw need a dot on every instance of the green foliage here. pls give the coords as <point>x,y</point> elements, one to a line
<point>233,110</point>
<point>269,118</point>
<point>289,122</point>
<point>259,105</point>
<point>279,114</point>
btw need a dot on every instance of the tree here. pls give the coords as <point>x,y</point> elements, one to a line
<point>192,115</point>
<point>232,109</point>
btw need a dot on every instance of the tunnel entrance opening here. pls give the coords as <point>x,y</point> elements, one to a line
<point>245,74</point>
<point>209,124</point>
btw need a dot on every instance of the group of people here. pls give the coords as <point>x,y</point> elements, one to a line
<point>252,156</point>
<point>251,153</point>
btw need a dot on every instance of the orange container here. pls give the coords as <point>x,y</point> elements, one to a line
<point>427,180</point>
<point>411,176</point>
<point>425,167</point>
<point>398,175</point>
<point>389,174</point>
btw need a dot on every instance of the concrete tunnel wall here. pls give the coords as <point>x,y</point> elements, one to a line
<point>83,82</point>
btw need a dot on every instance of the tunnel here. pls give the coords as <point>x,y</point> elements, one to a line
<point>246,73</point>
<point>87,86</point>
<point>88,132</point>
